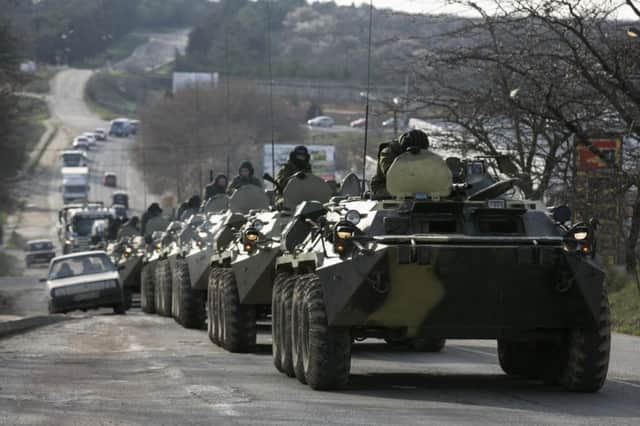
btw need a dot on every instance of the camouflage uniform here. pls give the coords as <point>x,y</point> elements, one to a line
<point>298,162</point>
<point>240,180</point>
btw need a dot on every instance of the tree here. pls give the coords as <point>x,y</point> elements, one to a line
<point>551,71</point>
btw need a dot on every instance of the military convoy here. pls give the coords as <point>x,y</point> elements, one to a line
<point>451,253</point>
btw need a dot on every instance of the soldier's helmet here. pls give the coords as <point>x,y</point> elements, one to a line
<point>414,140</point>
<point>300,155</point>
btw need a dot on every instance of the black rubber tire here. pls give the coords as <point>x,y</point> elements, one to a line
<point>190,303</point>
<point>326,351</point>
<point>147,290</point>
<point>128,297</point>
<point>523,359</point>
<point>297,300</point>
<point>275,320</point>
<point>119,309</point>
<point>238,322</point>
<point>175,297</point>
<point>587,351</point>
<point>286,350</point>
<point>212,300</point>
<point>163,288</point>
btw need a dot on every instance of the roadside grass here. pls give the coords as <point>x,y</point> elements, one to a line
<point>624,298</point>
<point>39,83</point>
<point>119,51</point>
<point>7,267</point>
<point>34,112</point>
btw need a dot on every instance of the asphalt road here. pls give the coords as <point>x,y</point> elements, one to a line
<point>140,369</point>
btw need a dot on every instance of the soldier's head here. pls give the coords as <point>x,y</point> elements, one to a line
<point>134,221</point>
<point>300,156</point>
<point>414,140</point>
<point>246,169</point>
<point>155,208</point>
<point>221,181</point>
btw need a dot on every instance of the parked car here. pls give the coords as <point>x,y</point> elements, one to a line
<point>38,252</point>
<point>121,198</point>
<point>86,280</point>
<point>101,134</point>
<point>321,121</point>
<point>110,179</point>
<point>358,123</point>
<point>388,123</point>
<point>82,143</point>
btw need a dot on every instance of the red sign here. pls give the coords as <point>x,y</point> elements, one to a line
<point>608,148</point>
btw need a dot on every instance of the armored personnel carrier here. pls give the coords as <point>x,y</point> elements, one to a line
<point>441,258</point>
<point>154,231</point>
<point>168,252</point>
<point>242,276</point>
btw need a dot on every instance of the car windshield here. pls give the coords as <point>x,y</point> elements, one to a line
<point>75,188</point>
<point>80,265</point>
<point>83,225</point>
<point>72,160</point>
<point>41,245</point>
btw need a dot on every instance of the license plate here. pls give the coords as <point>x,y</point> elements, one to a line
<point>86,296</point>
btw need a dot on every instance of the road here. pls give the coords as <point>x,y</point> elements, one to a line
<point>140,369</point>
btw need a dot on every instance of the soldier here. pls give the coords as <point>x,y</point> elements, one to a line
<point>413,140</point>
<point>154,210</point>
<point>299,161</point>
<point>217,187</point>
<point>130,228</point>
<point>191,207</point>
<point>245,177</point>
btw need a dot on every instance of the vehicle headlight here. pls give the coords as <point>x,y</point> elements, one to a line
<point>344,233</point>
<point>353,217</point>
<point>581,235</point>
<point>128,250</point>
<point>252,235</point>
<point>203,234</point>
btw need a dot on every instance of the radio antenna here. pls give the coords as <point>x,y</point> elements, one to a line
<point>273,143</point>
<point>366,112</point>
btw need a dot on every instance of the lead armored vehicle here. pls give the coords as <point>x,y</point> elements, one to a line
<point>441,259</point>
<point>242,279</point>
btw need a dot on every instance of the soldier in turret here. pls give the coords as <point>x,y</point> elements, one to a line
<point>299,161</point>
<point>413,140</point>
<point>245,177</point>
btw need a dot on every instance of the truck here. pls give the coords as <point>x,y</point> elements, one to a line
<point>74,158</point>
<point>75,184</point>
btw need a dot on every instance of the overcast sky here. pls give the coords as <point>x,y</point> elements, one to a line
<point>441,6</point>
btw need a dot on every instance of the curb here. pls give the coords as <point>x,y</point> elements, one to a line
<point>9,328</point>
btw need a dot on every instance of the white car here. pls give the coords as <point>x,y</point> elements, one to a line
<point>101,134</point>
<point>81,143</point>
<point>91,137</point>
<point>86,280</point>
<point>321,121</point>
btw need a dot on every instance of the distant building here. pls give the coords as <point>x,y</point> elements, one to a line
<point>182,80</point>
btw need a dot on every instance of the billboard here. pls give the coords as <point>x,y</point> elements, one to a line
<point>323,159</point>
<point>183,80</point>
<point>597,190</point>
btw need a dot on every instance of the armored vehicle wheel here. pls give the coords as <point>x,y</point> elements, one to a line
<point>275,320</point>
<point>175,297</point>
<point>163,288</point>
<point>282,324</point>
<point>147,290</point>
<point>326,351</point>
<point>128,297</point>
<point>586,352</point>
<point>237,321</point>
<point>190,303</point>
<point>296,330</point>
<point>119,309</point>
<point>212,320</point>
<point>521,358</point>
